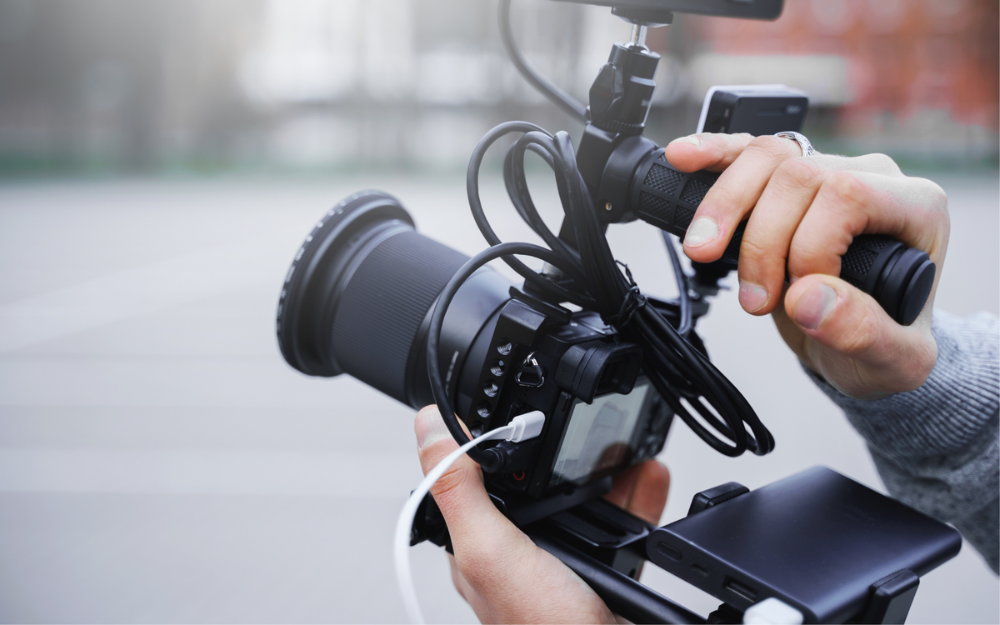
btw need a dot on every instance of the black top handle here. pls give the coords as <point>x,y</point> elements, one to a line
<point>898,277</point>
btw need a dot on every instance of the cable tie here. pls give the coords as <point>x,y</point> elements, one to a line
<point>634,300</point>
<point>628,273</point>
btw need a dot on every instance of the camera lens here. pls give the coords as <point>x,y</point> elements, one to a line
<point>357,300</point>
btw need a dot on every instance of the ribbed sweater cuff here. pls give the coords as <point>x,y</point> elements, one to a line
<point>949,412</point>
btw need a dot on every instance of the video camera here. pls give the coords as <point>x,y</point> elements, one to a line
<point>606,366</point>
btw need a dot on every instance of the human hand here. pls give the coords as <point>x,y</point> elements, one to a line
<point>496,568</point>
<point>805,213</point>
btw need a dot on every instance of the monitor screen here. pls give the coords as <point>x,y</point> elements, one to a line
<point>599,436</point>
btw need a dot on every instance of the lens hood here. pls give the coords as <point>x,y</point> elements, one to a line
<point>322,265</point>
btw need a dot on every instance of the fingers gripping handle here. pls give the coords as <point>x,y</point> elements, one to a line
<point>898,277</point>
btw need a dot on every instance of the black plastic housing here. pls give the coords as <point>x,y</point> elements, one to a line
<point>898,277</point>
<point>817,541</point>
<point>573,358</point>
<point>358,300</point>
<point>764,112</point>
<point>748,9</point>
<point>358,296</point>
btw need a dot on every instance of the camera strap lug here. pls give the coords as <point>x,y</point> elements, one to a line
<point>530,373</point>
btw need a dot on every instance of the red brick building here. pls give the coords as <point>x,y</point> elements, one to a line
<point>904,56</point>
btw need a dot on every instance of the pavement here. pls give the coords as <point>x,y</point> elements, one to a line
<point>159,462</point>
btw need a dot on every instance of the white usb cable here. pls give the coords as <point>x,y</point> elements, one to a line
<point>521,428</point>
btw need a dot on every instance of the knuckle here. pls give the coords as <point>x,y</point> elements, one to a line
<point>753,252</point>
<point>846,188</point>
<point>806,259</point>
<point>935,196</point>
<point>846,201</point>
<point>796,172</point>
<point>933,220</point>
<point>883,163</point>
<point>738,141</point>
<point>813,251</point>
<point>724,196</point>
<point>769,145</point>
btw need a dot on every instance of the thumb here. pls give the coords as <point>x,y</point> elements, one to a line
<point>459,493</point>
<point>855,344</point>
<point>506,577</point>
<point>477,528</point>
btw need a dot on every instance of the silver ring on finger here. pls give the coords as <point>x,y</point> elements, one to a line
<point>797,137</point>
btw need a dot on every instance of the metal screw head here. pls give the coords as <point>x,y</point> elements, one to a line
<point>608,207</point>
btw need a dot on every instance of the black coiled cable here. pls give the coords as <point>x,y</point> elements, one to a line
<point>693,388</point>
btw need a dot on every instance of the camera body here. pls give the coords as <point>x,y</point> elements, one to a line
<point>369,296</point>
<point>601,413</point>
<point>358,300</point>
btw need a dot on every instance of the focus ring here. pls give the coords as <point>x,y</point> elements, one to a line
<point>382,306</point>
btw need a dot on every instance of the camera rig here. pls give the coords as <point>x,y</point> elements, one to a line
<point>610,376</point>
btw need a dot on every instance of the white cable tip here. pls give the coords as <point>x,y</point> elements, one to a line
<point>772,612</point>
<point>522,428</point>
<point>527,426</point>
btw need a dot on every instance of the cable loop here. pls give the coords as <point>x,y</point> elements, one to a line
<point>697,392</point>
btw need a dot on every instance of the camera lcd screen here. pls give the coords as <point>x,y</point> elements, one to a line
<point>599,436</point>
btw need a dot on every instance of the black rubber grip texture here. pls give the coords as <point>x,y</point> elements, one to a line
<point>383,305</point>
<point>899,278</point>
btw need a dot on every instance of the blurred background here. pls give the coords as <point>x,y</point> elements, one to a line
<point>105,86</point>
<point>160,163</point>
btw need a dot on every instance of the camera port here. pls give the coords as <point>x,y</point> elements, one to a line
<point>497,368</point>
<point>484,409</point>
<point>491,389</point>
<point>740,589</point>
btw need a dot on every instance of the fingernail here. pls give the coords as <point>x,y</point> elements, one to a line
<point>693,140</point>
<point>815,306</point>
<point>752,297</point>
<point>430,429</point>
<point>701,232</point>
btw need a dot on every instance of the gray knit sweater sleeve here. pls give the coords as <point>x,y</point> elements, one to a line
<point>936,448</point>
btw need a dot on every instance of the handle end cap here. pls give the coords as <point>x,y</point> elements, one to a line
<point>917,292</point>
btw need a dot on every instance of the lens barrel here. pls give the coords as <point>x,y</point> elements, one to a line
<point>358,297</point>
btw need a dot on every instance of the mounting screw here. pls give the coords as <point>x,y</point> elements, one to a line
<point>608,207</point>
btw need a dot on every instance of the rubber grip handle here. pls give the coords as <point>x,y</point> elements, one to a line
<point>900,278</point>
